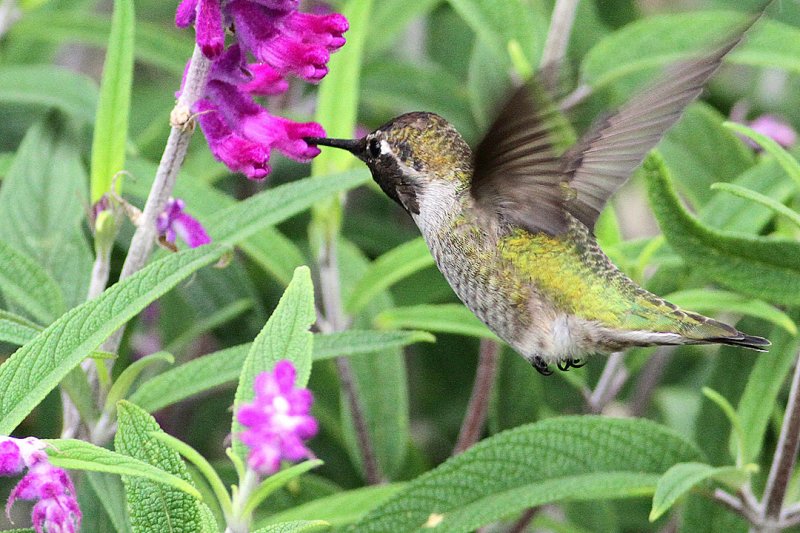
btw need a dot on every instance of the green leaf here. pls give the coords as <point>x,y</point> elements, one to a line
<point>682,478</point>
<point>110,493</point>
<point>582,487</point>
<point>337,99</point>
<point>125,380</point>
<point>25,283</point>
<point>298,526</point>
<point>784,158</point>
<point>710,301</point>
<point>76,385</point>
<point>111,125</point>
<point>244,219</point>
<point>42,205</point>
<point>202,465</point>
<point>154,506</point>
<point>76,454</point>
<point>35,369</point>
<point>276,254</point>
<point>276,481</point>
<point>208,323</point>
<point>340,509</point>
<point>753,196</point>
<point>762,391</point>
<point>442,318</point>
<point>49,86</point>
<point>154,46</point>
<point>547,451</point>
<point>733,418</point>
<point>225,366</point>
<point>17,330</point>
<point>499,23</point>
<point>743,216</point>
<point>389,18</point>
<point>700,151</point>
<point>286,335</point>
<point>657,41</point>
<point>761,267</point>
<point>388,269</point>
<point>354,341</point>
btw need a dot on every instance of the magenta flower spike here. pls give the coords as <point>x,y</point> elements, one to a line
<point>277,419</point>
<point>240,132</point>
<point>56,510</point>
<point>174,222</point>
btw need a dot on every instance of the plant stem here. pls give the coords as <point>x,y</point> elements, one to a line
<point>238,523</point>
<point>336,320</point>
<point>182,123</point>
<point>555,47</point>
<point>648,380</point>
<point>10,13</point>
<point>611,381</point>
<point>478,406</point>
<point>785,454</point>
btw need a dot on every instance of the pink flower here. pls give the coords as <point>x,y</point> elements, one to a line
<point>277,419</point>
<point>776,129</point>
<point>57,510</point>
<point>174,222</point>
<point>239,131</point>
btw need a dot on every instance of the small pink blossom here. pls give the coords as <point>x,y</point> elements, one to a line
<point>277,419</point>
<point>776,128</point>
<point>57,509</point>
<point>175,222</point>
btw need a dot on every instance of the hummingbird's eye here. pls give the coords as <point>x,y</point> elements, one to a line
<point>374,148</point>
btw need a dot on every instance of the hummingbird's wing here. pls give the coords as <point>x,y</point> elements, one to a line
<point>519,176</point>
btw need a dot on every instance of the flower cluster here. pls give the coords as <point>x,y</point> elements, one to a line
<point>278,420</point>
<point>56,509</point>
<point>284,42</point>
<point>173,221</point>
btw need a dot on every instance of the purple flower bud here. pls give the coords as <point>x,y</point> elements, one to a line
<point>174,222</point>
<point>56,509</point>
<point>210,33</point>
<point>776,129</point>
<point>265,81</point>
<point>277,419</point>
<point>186,13</point>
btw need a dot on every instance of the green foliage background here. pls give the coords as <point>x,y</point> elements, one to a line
<point>715,253</point>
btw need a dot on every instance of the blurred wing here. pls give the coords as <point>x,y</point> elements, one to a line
<point>520,177</point>
<point>517,170</point>
<point>608,154</point>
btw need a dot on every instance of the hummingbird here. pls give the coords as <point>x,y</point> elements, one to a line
<point>510,223</point>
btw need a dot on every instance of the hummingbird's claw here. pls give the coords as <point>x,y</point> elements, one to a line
<point>566,364</point>
<point>541,366</point>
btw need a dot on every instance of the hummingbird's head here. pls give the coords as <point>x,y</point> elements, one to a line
<point>408,154</point>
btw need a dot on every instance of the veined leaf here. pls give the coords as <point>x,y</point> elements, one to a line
<point>298,526</point>
<point>286,335</point>
<point>76,454</point>
<point>441,318</point>
<point>710,301</point>
<point>111,124</point>
<point>35,369</point>
<point>26,284</point>
<point>42,205</point>
<point>219,368</point>
<point>49,86</point>
<point>387,270</point>
<point>682,477</point>
<point>553,449</point>
<point>339,509</point>
<point>17,330</point>
<point>762,267</point>
<point>154,506</point>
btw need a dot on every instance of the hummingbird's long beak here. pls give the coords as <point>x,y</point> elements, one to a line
<point>354,146</point>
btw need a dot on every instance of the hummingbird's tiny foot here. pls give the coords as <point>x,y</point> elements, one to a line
<point>541,366</point>
<point>577,363</point>
<point>564,364</point>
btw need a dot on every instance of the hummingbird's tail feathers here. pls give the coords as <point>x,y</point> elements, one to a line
<point>750,342</point>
